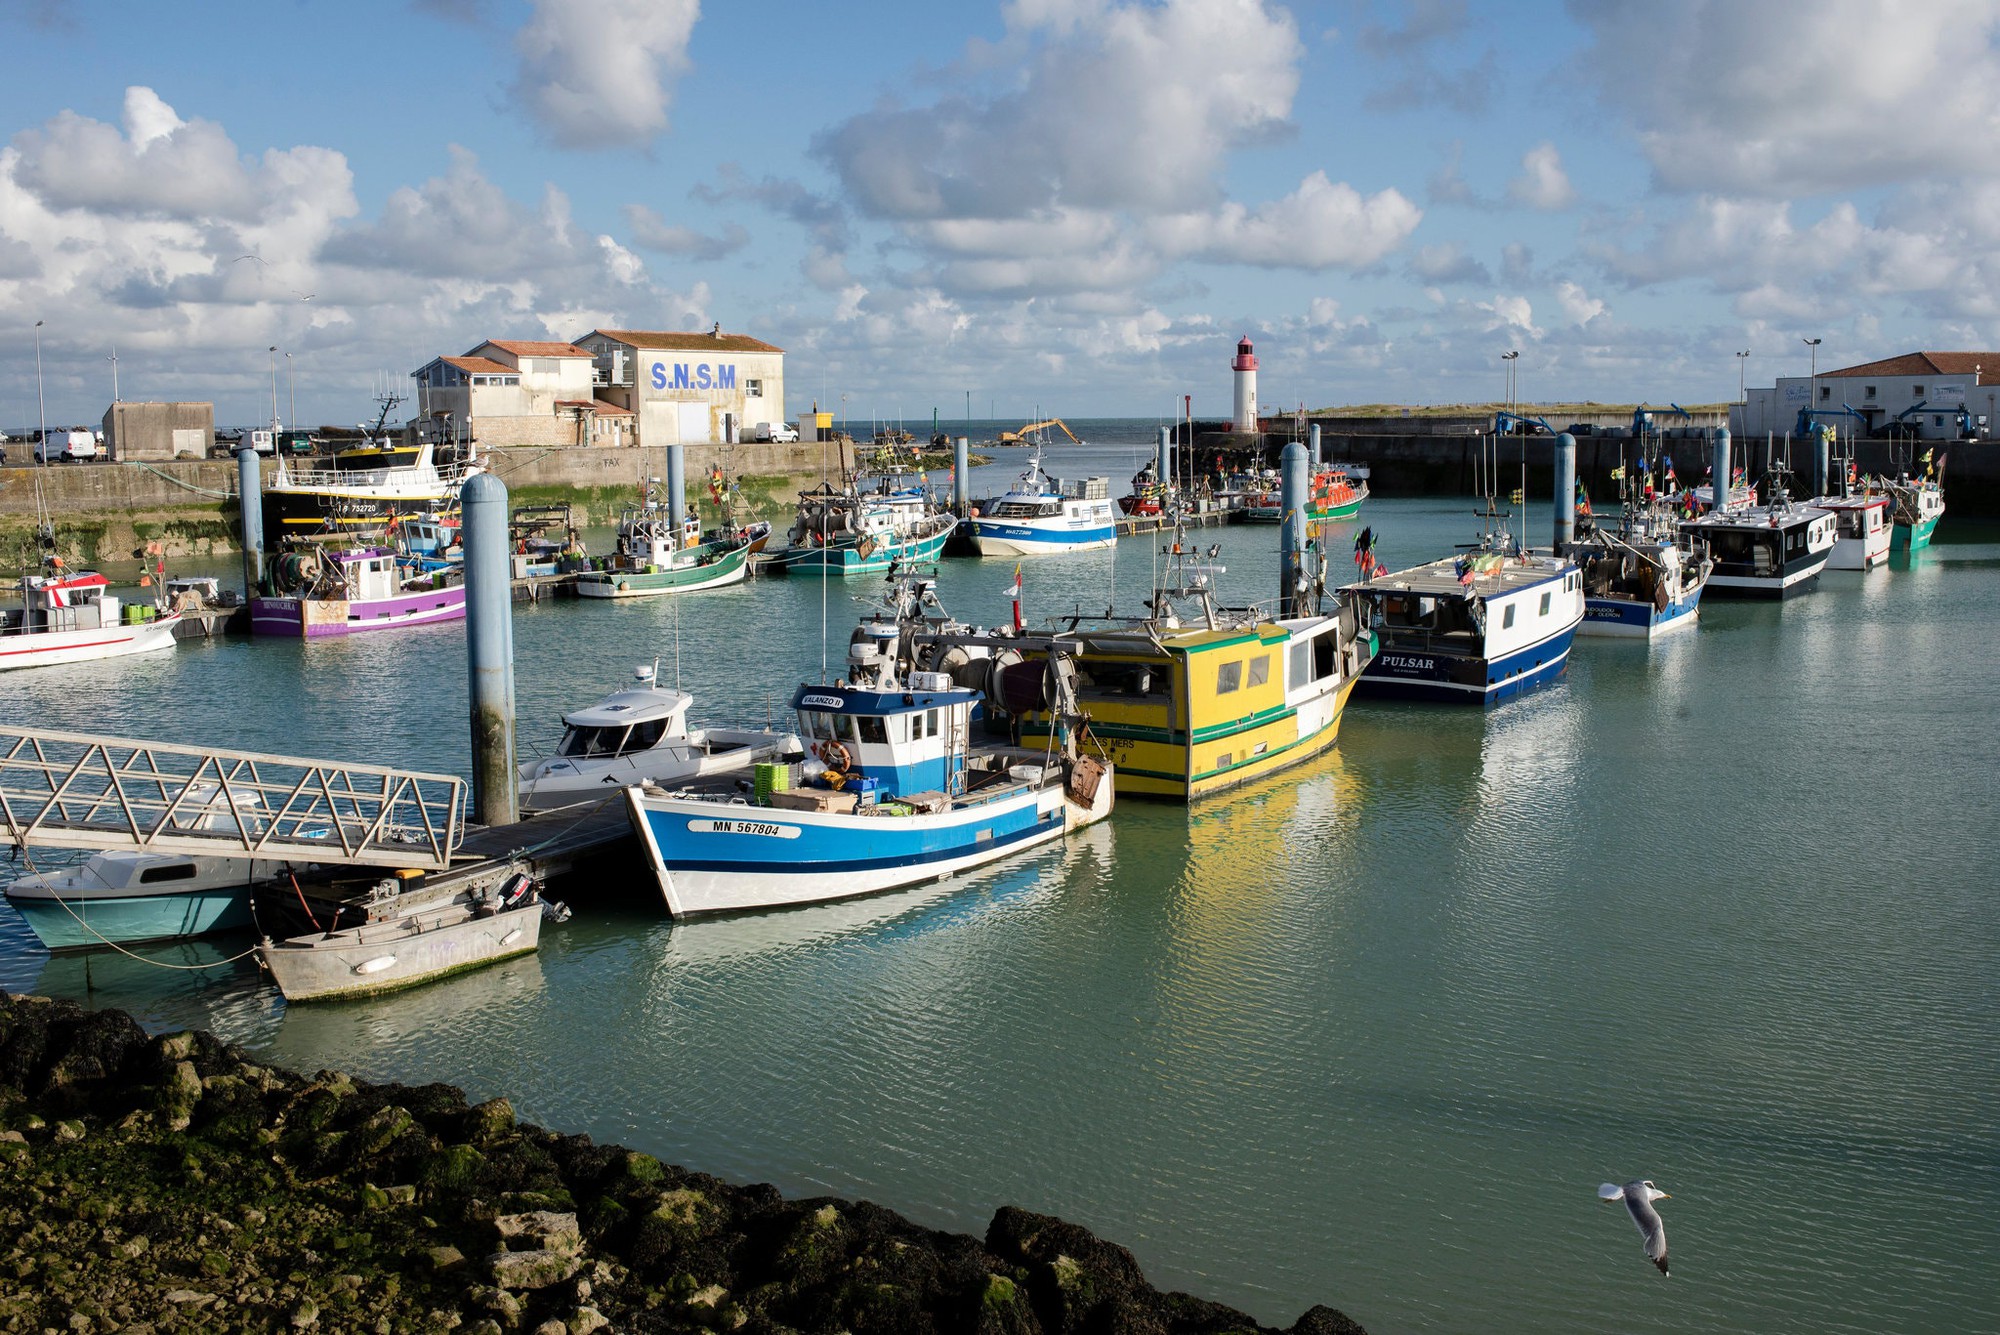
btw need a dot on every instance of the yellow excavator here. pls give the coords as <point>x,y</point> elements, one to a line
<point>1022,436</point>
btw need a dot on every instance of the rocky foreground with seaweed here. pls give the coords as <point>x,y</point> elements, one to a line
<point>173,1184</point>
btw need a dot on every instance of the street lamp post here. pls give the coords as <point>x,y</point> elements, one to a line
<point>1812,375</point>
<point>291,393</point>
<point>41,405</point>
<point>1511,359</point>
<point>1742,361</point>
<point>114,373</point>
<point>274,396</point>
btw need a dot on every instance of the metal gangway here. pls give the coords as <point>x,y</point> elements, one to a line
<point>70,790</point>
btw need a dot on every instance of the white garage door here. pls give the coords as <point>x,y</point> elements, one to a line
<point>695,424</point>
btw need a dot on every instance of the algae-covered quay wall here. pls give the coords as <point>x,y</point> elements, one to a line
<point>173,1183</point>
<point>112,511</point>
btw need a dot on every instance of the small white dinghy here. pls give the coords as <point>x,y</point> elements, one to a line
<point>408,937</point>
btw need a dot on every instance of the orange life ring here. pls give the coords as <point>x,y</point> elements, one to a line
<point>834,754</point>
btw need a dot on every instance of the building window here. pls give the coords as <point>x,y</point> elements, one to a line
<point>753,389</point>
<point>1228,677</point>
<point>1825,393</point>
<point>1868,391</point>
<point>1916,391</point>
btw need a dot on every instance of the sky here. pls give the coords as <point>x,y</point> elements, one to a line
<point>1070,207</point>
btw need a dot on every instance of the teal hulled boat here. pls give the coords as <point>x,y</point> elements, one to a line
<point>652,559</point>
<point>860,532</point>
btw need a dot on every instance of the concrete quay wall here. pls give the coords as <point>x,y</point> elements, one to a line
<point>1406,464</point>
<point>112,511</point>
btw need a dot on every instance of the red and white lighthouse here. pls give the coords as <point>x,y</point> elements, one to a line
<point>1245,367</point>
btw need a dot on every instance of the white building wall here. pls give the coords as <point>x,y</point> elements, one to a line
<point>680,395</point>
<point>1878,398</point>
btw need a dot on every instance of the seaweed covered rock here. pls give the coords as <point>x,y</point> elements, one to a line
<point>173,1182</point>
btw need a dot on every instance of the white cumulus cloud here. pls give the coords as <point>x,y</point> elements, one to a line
<point>597,75</point>
<point>1792,97</point>
<point>1542,184</point>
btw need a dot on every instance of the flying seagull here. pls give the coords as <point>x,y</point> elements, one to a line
<point>1639,1198</point>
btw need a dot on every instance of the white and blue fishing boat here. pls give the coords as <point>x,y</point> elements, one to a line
<point>1773,551</point>
<point>1641,579</point>
<point>1043,514</point>
<point>865,529</point>
<point>899,792</point>
<point>1475,629</point>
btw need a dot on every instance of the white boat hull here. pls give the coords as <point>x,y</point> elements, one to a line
<point>47,648</point>
<point>400,952</point>
<point>748,868</point>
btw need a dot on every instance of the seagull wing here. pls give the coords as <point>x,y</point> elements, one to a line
<point>1611,1191</point>
<point>1652,1229</point>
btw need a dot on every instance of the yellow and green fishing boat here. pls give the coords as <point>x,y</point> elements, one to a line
<point>1195,698</point>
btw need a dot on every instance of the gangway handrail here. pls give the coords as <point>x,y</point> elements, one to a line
<point>76,790</point>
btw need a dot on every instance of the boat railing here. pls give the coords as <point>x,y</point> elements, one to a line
<point>414,475</point>
<point>70,790</point>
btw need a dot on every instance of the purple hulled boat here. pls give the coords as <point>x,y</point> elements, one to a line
<point>315,592</point>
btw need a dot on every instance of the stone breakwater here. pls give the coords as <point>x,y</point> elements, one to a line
<point>173,1184</point>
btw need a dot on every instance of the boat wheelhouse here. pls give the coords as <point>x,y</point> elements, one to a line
<point>1862,525</point>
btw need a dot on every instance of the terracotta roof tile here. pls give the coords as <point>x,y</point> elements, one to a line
<point>479,366</point>
<point>525,349</point>
<point>1927,363</point>
<point>668,341</point>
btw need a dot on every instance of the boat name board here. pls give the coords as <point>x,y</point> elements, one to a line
<point>821,701</point>
<point>768,829</point>
<point>1407,663</point>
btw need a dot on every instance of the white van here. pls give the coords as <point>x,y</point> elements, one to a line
<point>783,432</point>
<point>62,445</point>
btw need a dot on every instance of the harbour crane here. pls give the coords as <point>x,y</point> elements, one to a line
<point>1022,436</point>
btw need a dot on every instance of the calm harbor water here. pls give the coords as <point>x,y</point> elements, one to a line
<point>1718,912</point>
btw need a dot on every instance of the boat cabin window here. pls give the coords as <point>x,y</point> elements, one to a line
<point>1507,620</point>
<point>1298,663</point>
<point>1228,677</point>
<point>1260,670</point>
<point>176,871</point>
<point>873,728</point>
<point>1545,604</point>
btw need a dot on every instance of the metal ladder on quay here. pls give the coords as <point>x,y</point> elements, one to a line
<point>75,791</point>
